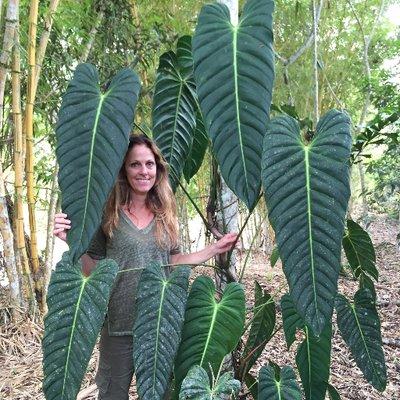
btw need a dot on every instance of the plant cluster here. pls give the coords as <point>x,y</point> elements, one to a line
<point>216,87</point>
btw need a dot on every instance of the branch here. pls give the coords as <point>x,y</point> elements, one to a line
<point>300,51</point>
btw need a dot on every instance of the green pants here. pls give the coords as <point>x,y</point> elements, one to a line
<point>115,371</point>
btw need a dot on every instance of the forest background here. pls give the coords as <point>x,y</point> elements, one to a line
<point>358,70</point>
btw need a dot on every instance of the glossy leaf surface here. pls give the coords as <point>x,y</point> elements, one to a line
<point>212,328</point>
<point>281,386</point>
<point>174,106</point>
<point>76,309</point>
<point>92,138</point>
<point>160,306</point>
<point>359,250</point>
<point>307,189</point>
<point>234,72</point>
<point>196,386</point>
<point>359,326</point>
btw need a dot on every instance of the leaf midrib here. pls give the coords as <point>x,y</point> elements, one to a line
<point>309,221</point>
<point>213,319</point>
<point>85,280</point>
<point>88,187</point>
<point>164,283</point>
<point>235,76</point>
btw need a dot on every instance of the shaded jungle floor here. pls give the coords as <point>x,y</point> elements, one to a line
<point>20,349</point>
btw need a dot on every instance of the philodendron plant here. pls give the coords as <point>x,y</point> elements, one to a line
<point>215,88</point>
<point>92,138</point>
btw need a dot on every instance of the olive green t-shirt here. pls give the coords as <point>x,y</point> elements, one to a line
<point>133,249</point>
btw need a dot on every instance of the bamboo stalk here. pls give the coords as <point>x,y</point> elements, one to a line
<point>44,39</point>
<point>92,35</point>
<point>8,42</point>
<point>18,160</point>
<point>33,16</point>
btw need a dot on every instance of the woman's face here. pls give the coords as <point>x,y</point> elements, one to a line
<point>141,169</point>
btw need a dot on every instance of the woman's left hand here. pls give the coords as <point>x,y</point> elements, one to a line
<point>225,243</point>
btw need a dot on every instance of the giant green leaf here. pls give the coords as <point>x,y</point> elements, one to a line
<point>76,310</point>
<point>160,307</point>
<point>359,326</point>
<point>291,319</point>
<point>196,386</point>
<point>234,72</point>
<point>174,105</point>
<point>262,326</point>
<point>279,385</point>
<point>306,187</point>
<point>359,250</point>
<point>198,149</point>
<point>92,138</point>
<point>212,328</point>
<point>313,362</point>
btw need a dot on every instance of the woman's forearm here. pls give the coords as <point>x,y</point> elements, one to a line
<point>197,257</point>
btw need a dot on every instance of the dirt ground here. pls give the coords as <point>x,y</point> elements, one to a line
<point>20,350</point>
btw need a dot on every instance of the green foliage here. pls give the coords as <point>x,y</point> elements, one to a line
<point>274,257</point>
<point>385,172</point>
<point>196,386</point>
<point>76,309</point>
<point>278,384</point>
<point>313,360</point>
<point>174,104</point>
<point>306,188</point>
<point>198,149</point>
<point>359,250</point>
<point>157,331</point>
<point>234,72</point>
<point>359,326</point>
<point>291,319</point>
<point>263,324</point>
<point>333,393</point>
<point>211,329</point>
<point>92,135</point>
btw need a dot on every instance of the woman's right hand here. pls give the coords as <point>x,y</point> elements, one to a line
<point>61,225</point>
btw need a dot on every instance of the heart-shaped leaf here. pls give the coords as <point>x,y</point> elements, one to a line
<point>196,386</point>
<point>234,72</point>
<point>156,335</point>
<point>278,386</point>
<point>306,187</point>
<point>92,139</point>
<point>211,329</point>
<point>360,328</point>
<point>76,309</point>
<point>174,106</point>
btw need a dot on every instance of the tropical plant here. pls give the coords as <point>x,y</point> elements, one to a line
<point>305,180</point>
<point>92,133</point>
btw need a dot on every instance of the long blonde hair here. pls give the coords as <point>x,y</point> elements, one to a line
<point>160,199</point>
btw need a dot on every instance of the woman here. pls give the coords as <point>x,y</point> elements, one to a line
<point>139,226</point>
